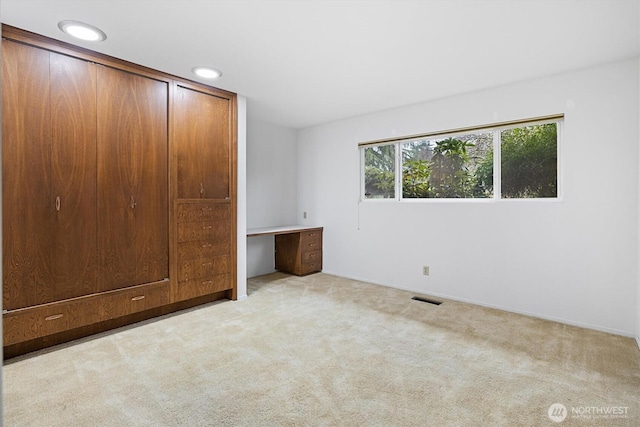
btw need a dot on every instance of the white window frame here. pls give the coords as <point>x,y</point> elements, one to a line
<point>496,129</point>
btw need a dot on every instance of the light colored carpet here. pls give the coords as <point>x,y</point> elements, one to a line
<point>327,351</point>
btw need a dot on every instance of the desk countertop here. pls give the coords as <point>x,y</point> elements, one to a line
<point>281,229</point>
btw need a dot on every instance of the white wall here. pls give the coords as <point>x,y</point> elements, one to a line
<point>271,188</point>
<point>241,197</point>
<point>574,261</point>
<point>638,288</point>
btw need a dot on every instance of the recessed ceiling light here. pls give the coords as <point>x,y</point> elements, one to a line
<point>207,72</point>
<point>82,31</point>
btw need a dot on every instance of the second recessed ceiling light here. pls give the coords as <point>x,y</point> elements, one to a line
<point>82,31</point>
<point>207,72</point>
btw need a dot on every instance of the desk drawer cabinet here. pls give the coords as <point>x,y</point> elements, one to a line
<point>299,253</point>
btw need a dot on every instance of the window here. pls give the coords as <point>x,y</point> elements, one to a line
<point>380,172</point>
<point>464,164</point>
<point>529,161</point>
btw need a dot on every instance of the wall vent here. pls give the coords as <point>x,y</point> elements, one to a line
<point>430,301</point>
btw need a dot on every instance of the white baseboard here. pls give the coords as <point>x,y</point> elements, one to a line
<point>498,307</point>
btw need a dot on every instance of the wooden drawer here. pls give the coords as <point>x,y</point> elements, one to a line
<point>311,262</point>
<point>34,322</point>
<point>199,212</point>
<point>193,269</point>
<point>204,249</point>
<point>39,321</point>
<point>139,298</point>
<point>310,267</point>
<point>312,257</point>
<point>299,253</point>
<point>311,240</point>
<point>204,286</point>
<point>212,230</point>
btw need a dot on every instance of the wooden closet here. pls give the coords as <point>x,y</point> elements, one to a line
<point>118,192</point>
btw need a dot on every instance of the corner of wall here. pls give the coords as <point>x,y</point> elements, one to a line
<point>241,195</point>
<point>638,211</point>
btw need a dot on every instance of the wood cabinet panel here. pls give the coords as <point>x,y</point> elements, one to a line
<point>191,231</point>
<point>188,212</point>
<point>92,177</point>
<point>132,300</point>
<point>206,260</point>
<point>310,241</point>
<point>196,288</point>
<point>39,321</point>
<point>132,179</point>
<point>73,177</point>
<point>203,146</point>
<point>204,248</point>
<point>43,320</point>
<point>27,213</point>
<point>197,268</point>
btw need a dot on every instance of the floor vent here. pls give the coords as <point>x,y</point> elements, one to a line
<point>430,301</point>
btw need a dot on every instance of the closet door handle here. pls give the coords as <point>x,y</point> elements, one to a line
<point>201,189</point>
<point>132,203</point>
<point>58,203</point>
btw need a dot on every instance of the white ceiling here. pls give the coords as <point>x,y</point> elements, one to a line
<point>305,62</point>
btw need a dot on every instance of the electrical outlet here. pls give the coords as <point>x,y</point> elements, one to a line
<point>425,270</point>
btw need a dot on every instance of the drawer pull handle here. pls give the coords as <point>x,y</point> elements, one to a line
<point>208,282</point>
<point>207,263</point>
<point>312,244</point>
<point>138,298</point>
<point>54,317</point>
<point>206,227</point>
<point>208,245</point>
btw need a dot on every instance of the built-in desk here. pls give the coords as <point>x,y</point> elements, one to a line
<point>298,249</point>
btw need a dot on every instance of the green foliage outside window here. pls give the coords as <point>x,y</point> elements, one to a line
<point>462,167</point>
<point>379,171</point>
<point>530,162</point>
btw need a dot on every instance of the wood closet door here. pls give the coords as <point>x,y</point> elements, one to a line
<point>203,146</point>
<point>132,179</point>
<point>73,176</point>
<point>27,212</point>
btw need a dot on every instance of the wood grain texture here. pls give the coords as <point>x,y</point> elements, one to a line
<point>203,286</point>
<point>203,147</point>
<point>206,262</point>
<point>26,346</point>
<point>73,176</point>
<point>300,252</point>
<point>48,319</point>
<point>90,130</point>
<point>132,179</point>
<point>26,151</point>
